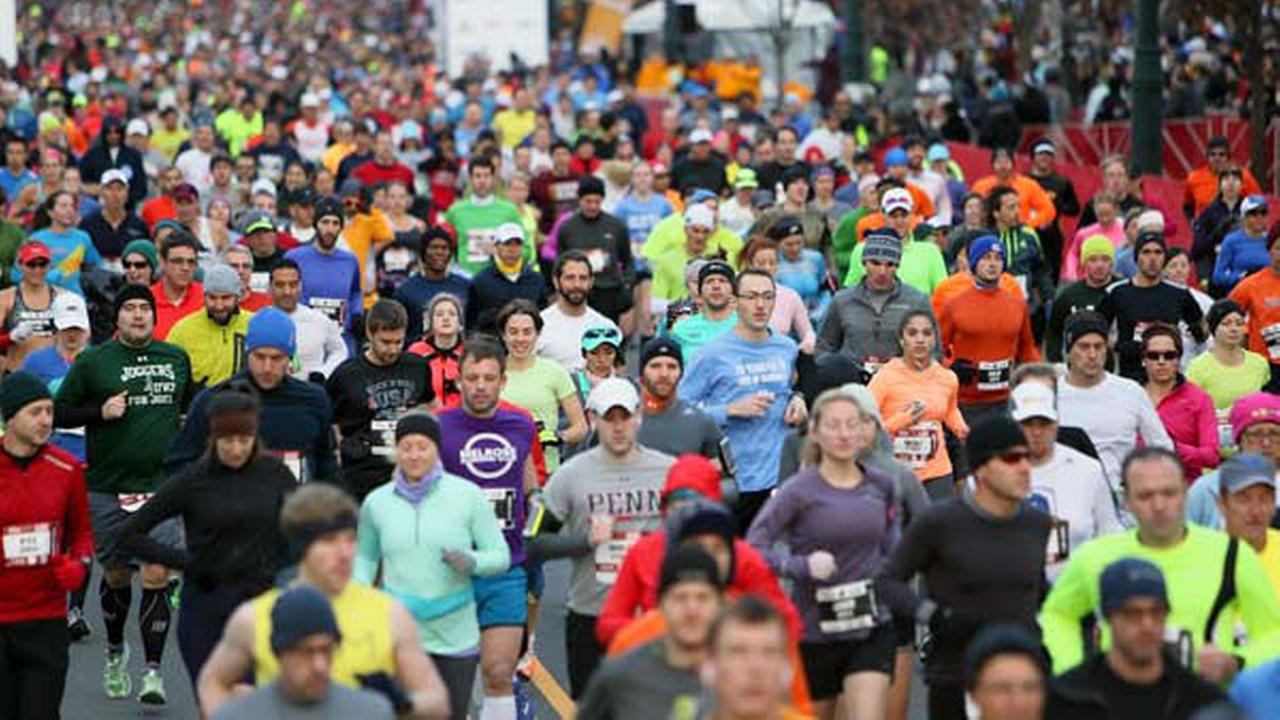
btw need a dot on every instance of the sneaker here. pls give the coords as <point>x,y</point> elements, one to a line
<point>175,592</point>
<point>152,688</point>
<point>77,626</point>
<point>115,675</point>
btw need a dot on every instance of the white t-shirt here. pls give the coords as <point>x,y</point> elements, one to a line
<point>320,345</point>
<point>194,164</point>
<point>561,337</point>
<point>1073,490</point>
<point>1113,413</point>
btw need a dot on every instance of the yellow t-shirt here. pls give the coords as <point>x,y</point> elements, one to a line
<point>514,126</point>
<point>1270,557</point>
<point>363,615</point>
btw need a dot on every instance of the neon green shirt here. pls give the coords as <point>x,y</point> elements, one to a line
<point>232,125</point>
<point>540,390</point>
<point>475,223</point>
<point>922,266</point>
<point>669,234</point>
<point>1192,573</point>
<point>1228,384</point>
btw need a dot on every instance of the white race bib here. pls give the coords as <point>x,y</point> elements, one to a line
<point>29,545</point>
<point>916,445</point>
<point>479,245</point>
<point>846,607</point>
<point>611,553</point>
<point>503,501</point>
<point>1271,338</point>
<point>384,437</point>
<point>994,374</point>
<point>132,502</point>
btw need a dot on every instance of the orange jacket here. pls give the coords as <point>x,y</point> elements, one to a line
<point>1259,296</point>
<point>962,281</point>
<point>1202,186</point>
<point>920,445</point>
<point>1037,207</point>
<point>990,329</point>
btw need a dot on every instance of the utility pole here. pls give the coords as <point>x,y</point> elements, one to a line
<point>855,53</point>
<point>1147,85</point>
<point>672,40</point>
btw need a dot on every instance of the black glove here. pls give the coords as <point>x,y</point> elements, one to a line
<point>316,377</point>
<point>966,371</point>
<point>355,447</point>
<point>387,686</point>
<point>952,628</point>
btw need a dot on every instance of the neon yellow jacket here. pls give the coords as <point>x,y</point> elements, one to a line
<point>216,351</point>
<point>1192,573</point>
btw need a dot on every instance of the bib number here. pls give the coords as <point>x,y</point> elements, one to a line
<point>260,281</point>
<point>479,245</point>
<point>994,374</point>
<point>846,607</point>
<point>131,502</point>
<point>29,545</point>
<point>1225,439</point>
<point>384,437</point>
<point>292,460</point>
<point>916,445</point>
<point>611,553</point>
<point>1271,338</point>
<point>503,501</point>
<point>598,259</point>
<point>332,308</point>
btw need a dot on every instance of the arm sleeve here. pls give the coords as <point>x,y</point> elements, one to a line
<point>1060,615</point>
<point>696,386</point>
<point>491,553</point>
<point>1041,205</point>
<point>551,544</point>
<point>1258,603</point>
<point>955,419</point>
<point>1068,199</point>
<point>831,335</point>
<point>73,407</point>
<point>1205,451</point>
<point>1222,267</point>
<point>191,439</point>
<point>368,546</point>
<point>769,530</point>
<point>166,503</point>
<point>913,553</point>
<point>323,458</point>
<point>1027,350</point>
<point>623,600</point>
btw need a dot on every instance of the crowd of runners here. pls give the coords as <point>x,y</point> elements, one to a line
<point>319,372</point>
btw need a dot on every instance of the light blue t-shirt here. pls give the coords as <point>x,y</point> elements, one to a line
<point>72,249</point>
<point>640,217</point>
<point>1202,501</point>
<point>696,330</point>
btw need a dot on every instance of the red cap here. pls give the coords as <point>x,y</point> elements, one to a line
<point>32,250</point>
<point>693,473</point>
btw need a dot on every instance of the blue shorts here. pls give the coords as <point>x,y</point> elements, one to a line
<point>501,600</point>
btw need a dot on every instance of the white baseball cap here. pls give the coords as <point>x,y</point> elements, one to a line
<point>114,175</point>
<point>506,232</point>
<point>701,135</point>
<point>69,311</point>
<point>613,392</point>
<point>263,186</point>
<point>138,126</point>
<point>896,199</point>
<point>1034,400</point>
<point>1151,219</point>
<point>309,100</point>
<point>700,214</point>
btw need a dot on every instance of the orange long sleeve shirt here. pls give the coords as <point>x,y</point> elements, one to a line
<point>962,281</point>
<point>991,329</point>
<point>1202,185</point>
<point>920,444</point>
<point>1036,207</point>
<point>1259,296</point>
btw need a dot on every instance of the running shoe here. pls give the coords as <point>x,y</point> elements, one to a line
<point>152,688</point>
<point>77,626</point>
<point>115,674</point>
<point>175,592</point>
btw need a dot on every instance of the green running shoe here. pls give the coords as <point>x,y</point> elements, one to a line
<point>152,688</point>
<point>175,592</point>
<point>115,674</point>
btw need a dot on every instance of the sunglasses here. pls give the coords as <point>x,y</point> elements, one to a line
<point>37,264</point>
<point>1165,355</point>
<point>1013,457</point>
<point>601,333</point>
<point>136,265</point>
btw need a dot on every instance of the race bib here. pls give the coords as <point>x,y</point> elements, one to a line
<point>915,446</point>
<point>610,554</point>
<point>29,545</point>
<point>1138,329</point>
<point>132,502</point>
<point>503,501</point>
<point>564,191</point>
<point>384,437</point>
<point>1225,439</point>
<point>479,245</point>
<point>1022,284</point>
<point>292,459</point>
<point>599,259</point>
<point>873,363</point>
<point>994,374</point>
<point>260,282</point>
<point>846,607</point>
<point>1271,338</point>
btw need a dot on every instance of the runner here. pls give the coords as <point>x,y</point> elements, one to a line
<point>837,518</point>
<point>320,345</point>
<point>330,275</point>
<point>490,446</point>
<point>1097,261</point>
<point>1190,558</point>
<point>743,380</point>
<point>127,388</point>
<point>442,346</point>
<point>70,248</point>
<point>1252,294</point>
<point>1024,256</point>
<point>790,317</point>
<point>1185,410</point>
<point>1066,484</point>
<point>748,663</point>
<point>319,522</point>
<point>605,241</point>
<point>434,277</point>
<point>1255,429</point>
<point>1243,251</point>
<point>602,350</point>
<point>214,339</point>
<point>718,312</point>
<point>507,278</point>
<point>304,630</point>
<point>176,293</point>
<point>539,385</point>
<point>114,225</point>
<point>999,578</point>
<point>228,501</point>
<point>1227,371</point>
<point>668,424</point>
<point>1005,674</point>
<point>669,266</point>
<point>369,393</point>
<point>47,550</point>
<point>662,675</point>
<point>1247,499</point>
<point>26,328</point>
<point>478,216</point>
<point>917,397</point>
<point>570,315</point>
<point>595,508</point>
<point>802,270</point>
<point>425,534</point>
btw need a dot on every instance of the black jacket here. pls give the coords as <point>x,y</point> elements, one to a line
<point>98,160</point>
<point>1078,694</point>
<point>490,290</point>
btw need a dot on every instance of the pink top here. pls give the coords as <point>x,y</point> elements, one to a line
<point>1188,416</point>
<point>790,316</point>
<point>1071,256</point>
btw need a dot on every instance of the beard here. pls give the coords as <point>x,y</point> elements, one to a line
<point>575,297</point>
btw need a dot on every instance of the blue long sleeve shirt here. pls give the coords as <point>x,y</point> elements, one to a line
<point>1239,256</point>
<point>330,283</point>
<point>730,368</point>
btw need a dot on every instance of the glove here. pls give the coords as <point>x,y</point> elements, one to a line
<point>68,572</point>
<point>317,377</point>
<point>966,372</point>
<point>459,560</point>
<point>20,332</point>
<point>387,686</point>
<point>355,447</point>
<point>821,565</point>
<point>952,628</point>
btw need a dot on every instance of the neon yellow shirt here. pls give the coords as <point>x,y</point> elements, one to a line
<point>669,233</point>
<point>364,618</point>
<point>1270,557</point>
<point>513,126</point>
<point>216,351</point>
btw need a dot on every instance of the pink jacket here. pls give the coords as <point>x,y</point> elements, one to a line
<point>1071,256</point>
<point>791,316</point>
<point>1188,416</point>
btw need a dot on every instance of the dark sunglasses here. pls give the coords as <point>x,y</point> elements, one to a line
<point>1013,457</point>
<point>1158,355</point>
<point>37,264</point>
<point>598,333</point>
<point>136,265</point>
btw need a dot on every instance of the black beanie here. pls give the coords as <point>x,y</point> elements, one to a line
<point>991,436</point>
<point>133,292</point>
<point>419,423</point>
<point>1082,323</point>
<point>327,206</point>
<point>687,563</point>
<point>19,390</point>
<point>1219,312</point>
<point>661,347</point>
<point>590,185</point>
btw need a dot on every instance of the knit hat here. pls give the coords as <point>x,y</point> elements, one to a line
<point>232,412</point>
<point>590,185</point>
<point>1253,409</point>
<point>1083,323</point>
<point>1096,245</point>
<point>145,248</point>
<point>996,640</point>
<point>704,517</point>
<point>329,207</point>
<point>688,563</point>
<point>661,347</point>
<point>299,613</point>
<point>418,423</point>
<point>271,327</point>
<point>883,245</point>
<point>1130,578</point>
<point>982,245</point>
<point>221,280</point>
<point>133,292</point>
<point>991,436</point>
<point>1145,239</point>
<point>19,390</point>
<point>715,267</point>
<point>1219,312</point>
<point>691,476</point>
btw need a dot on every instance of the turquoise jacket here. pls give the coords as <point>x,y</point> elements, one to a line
<point>408,543</point>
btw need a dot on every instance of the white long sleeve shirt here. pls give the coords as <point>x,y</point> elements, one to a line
<point>1072,489</point>
<point>1114,413</point>
<point>320,344</point>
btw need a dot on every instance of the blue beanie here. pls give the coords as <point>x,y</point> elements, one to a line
<point>982,245</point>
<point>895,157</point>
<point>270,327</point>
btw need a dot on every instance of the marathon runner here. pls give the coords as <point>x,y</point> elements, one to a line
<point>321,348</point>
<point>476,216</point>
<point>214,339</point>
<point>330,275</point>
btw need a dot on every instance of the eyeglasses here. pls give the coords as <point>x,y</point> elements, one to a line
<point>758,297</point>
<point>1013,457</point>
<point>136,265</point>
<point>1261,435</point>
<point>41,263</point>
<point>181,261</point>
<point>1165,355</point>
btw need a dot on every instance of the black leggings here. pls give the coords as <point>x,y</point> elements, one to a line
<point>204,615</point>
<point>946,701</point>
<point>583,650</point>
<point>459,677</point>
<point>33,669</point>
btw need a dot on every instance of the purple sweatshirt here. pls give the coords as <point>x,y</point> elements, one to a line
<point>491,452</point>
<point>330,283</point>
<point>858,527</point>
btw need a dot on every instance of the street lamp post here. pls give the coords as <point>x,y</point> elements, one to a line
<point>1147,87</point>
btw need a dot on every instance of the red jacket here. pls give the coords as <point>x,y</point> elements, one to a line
<point>636,589</point>
<point>44,512</point>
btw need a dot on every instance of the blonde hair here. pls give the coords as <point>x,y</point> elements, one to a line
<point>811,454</point>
